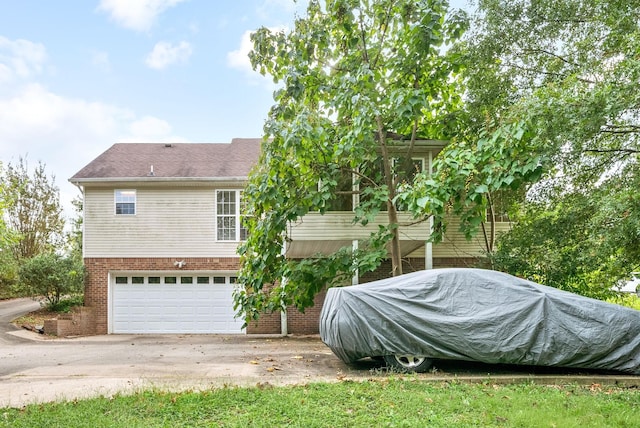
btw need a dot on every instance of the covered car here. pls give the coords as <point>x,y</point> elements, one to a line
<point>477,315</point>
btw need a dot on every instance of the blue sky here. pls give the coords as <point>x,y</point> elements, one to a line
<point>77,76</point>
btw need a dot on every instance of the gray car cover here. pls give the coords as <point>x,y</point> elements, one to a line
<point>479,315</point>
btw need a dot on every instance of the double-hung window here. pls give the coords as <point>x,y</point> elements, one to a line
<point>228,216</point>
<point>125,201</point>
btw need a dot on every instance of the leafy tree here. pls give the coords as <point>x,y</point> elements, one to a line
<point>570,67</point>
<point>52,276</point>
<point>361,82</point>
<point>563,242</point>
<point>35,214</point>
<point>74,236</point>
<point>569,70</point>
<point>8,267</point>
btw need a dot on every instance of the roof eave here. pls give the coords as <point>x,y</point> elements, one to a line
<point>79,181</point>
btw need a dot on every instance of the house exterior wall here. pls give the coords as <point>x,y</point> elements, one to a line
<point>339,226</point>
<point>455,245</point>
<point>169,222</point>
<point>178,222</point>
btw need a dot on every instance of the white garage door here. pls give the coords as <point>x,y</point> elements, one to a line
<point>173,303</point>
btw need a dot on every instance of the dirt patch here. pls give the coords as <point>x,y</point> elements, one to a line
<point>34,321</point>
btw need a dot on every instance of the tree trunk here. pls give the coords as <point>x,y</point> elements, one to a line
<point>392,214</point>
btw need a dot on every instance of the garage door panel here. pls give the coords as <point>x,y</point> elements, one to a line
<point>173,308</point>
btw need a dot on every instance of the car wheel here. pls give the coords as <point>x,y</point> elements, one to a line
<point>408,363</point>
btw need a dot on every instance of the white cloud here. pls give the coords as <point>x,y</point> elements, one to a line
<point>165,54</point>
<point>150,127</point>
<point>35,117</point>
<point>68,133</point>
<point>20,59</point>
<point>239,60</point>
<point>138,15</point>
<point>64,133</point>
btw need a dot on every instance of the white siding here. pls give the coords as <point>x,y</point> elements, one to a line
<point>339,226</point>
<point>455,244</point>
<point>174,222</point>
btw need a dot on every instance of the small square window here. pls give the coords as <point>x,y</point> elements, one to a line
<point>170,280</point>
<point>219,280</point>
<point>122,280</point>
<point>125,202</point>
<point>186,280</point>
<point>154,280</point>
<point>137,280</point>
<point>203,280</point>
<point>233,279</point>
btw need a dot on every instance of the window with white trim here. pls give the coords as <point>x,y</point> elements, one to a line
<point>228,216</point>
<point>125,202</point>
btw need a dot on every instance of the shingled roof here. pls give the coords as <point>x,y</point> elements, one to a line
<point>173,161</point>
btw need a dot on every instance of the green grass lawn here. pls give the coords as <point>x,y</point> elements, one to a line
<point>391,402</point>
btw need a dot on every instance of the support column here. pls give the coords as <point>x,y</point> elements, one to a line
<point>428,246</point>
<point>355,279</point>
<point>284,323</point>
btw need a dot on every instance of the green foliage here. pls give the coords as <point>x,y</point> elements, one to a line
<point>569,69</point>
<point>569,66</point>
<point>8,274</point>
<point>360,82</point>
<point>625,299</point>
<point>465,176</point>
<point>66,303</point>
<point>8,265</point>
<point>74,235</point>
<point>33,213</point>
<point>390,402</point>
<point>52,276</point>
<point>581,242</point>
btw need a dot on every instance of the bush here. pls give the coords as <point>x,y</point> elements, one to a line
<point>66,303</point>
<point>8,275</point>
<point>626,299</point>
<point>51,276</point>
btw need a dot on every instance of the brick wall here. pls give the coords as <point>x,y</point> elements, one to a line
<point>79,322</point>
<point>297,322</point>
<point>267,324</point>
<point>96,287</point>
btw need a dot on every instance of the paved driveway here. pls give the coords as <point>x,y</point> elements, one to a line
<point>36,369</point>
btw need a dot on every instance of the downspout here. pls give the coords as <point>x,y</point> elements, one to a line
<point>284,323</point>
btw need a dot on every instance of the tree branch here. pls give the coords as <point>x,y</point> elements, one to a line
<point>548,73</point>
<point>621,150</point>
<point>620,129</point>
<point>561,58</point>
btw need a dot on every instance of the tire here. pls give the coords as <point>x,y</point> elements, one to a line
<point>408,363</point>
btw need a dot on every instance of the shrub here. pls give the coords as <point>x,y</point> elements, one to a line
<point>625,299</point>
<point>51,276</point>
<point>66,303</point>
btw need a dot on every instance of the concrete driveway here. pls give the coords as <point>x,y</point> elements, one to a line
<point>36,369</point>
